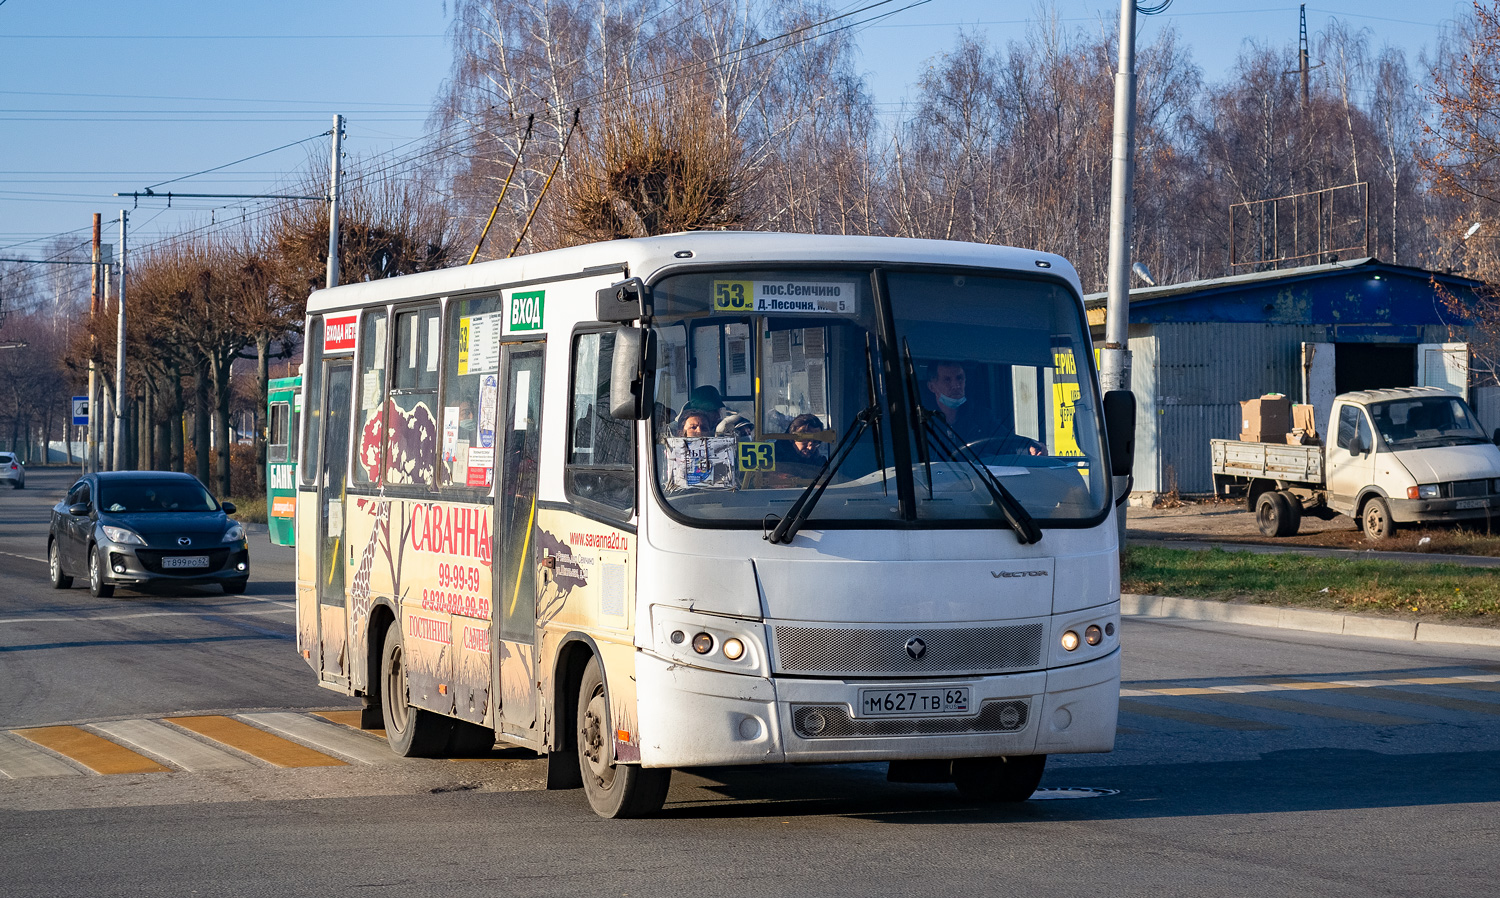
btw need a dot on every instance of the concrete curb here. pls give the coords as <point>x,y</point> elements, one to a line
<point>1303,619</point>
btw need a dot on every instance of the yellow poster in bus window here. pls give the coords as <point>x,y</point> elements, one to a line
<point>1065,393</point>
<point>463,346</point>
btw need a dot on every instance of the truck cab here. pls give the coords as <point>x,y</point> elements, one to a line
<point>1408,455</point>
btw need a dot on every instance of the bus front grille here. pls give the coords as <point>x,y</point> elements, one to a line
<point>834,721</point>
<point>909,651</point>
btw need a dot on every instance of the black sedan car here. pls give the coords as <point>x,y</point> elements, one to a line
<point>134,528</point>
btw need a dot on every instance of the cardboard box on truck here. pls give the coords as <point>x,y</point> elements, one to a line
<point>1265,420</point>
<point>1304,420</point>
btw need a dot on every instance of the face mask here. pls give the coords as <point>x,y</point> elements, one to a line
<point>951,402</point>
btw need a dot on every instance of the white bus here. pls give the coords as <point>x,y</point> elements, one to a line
<point>714,499</point>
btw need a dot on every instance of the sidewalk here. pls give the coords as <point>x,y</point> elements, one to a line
<point>1312,621</point>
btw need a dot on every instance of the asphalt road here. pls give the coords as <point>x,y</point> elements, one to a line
<point>1249,762</point>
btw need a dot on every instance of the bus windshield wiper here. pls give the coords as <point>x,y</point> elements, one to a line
<point>930,424</point>
<point>868,417</point>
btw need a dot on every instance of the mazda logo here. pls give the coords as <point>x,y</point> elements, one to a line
<point>916,648</point>
<point>184,541</point>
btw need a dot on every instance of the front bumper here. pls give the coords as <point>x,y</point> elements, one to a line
<point>129,565</point>
<point>693,717</point>
<point>1434,510</point>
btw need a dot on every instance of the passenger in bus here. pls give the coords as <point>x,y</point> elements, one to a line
<point>948,384</point>
<point>737,426</point>
<point>696,422</point>
<point>802,458</point>
<point>703,399</point>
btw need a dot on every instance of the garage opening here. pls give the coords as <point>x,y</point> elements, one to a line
<point>1374,366</point>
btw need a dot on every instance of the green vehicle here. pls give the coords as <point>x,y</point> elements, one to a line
<point>284,415</point>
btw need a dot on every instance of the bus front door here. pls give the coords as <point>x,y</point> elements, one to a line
<point>332,613</point>
<point>519,436</point>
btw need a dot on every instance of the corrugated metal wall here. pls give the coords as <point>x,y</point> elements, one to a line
<point>1203,371</point>
<point>1189,379</point>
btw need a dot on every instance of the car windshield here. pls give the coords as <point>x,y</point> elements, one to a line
<point>1426,422</point>
<point>136,496</point>
<point>761,374</point>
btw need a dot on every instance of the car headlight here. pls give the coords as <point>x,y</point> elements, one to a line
<point>1427,491</point>
<point>235,533</point>
<point>124,537</point>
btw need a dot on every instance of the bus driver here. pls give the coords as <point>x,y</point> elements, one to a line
<point>948,384</point>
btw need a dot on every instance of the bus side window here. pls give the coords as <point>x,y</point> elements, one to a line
<point>412,425</point>
<point>601,448</point>
<point>372,405</point>
<point>470,391</point>
<point>276,442</point>
<point>312,401</point>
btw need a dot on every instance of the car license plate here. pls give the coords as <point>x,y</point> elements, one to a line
<point>913,702</point>
<point>185,561</point>
<point>1471,503</point>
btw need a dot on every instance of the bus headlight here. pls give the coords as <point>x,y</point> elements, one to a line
<point>709,640</point>
<point>1070,640</point>
<point>1093,635</point>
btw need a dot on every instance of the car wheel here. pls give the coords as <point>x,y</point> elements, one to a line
<point>234,587</point>
<point>97,587</point>
<point>613,790</point>
<point>54,567</point>
<point>1376,519</point>
<point>998,779</point>
<point>411,732</point>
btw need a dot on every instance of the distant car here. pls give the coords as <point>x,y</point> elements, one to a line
<point>133,528</point>
<point>11,469</point>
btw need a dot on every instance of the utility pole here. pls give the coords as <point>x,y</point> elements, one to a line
<point>333,202</point>
<point>1114,358</point>
<point>91,460</point>
<point>120,400</point>
<point>1302,60</point>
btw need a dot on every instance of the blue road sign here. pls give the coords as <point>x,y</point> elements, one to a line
<point>81,411</point>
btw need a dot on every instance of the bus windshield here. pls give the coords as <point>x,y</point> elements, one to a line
<point>762,373</point>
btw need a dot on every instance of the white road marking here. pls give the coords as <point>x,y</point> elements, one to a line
<point>20,759</point>
<point>326,736</point>
<point>175,746</point>
<point>27,557</point>
<point>109,617</point>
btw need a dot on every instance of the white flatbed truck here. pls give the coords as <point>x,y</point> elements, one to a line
<point>1390,457</point>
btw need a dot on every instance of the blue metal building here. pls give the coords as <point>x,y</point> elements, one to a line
<point>1310,333</point>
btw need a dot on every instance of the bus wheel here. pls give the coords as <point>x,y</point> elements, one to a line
<point>998,779</point>
<point>411,732</point>
<point>614,790</point>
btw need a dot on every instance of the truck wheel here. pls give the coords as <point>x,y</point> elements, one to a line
<point>1273,515</point>
<point>1376,519</point>
<point>613,790</point>
<point>1294,513</point>
<point>1253,492</point>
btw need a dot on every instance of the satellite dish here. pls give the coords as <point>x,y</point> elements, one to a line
<point>1140,271</point>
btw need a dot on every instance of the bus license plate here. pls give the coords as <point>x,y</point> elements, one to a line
<point>913,702</point>
<point>185,561</point>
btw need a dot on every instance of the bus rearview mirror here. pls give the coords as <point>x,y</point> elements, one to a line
<point>624,301</point>
<point>632,381</point>
<point>1119,424</point>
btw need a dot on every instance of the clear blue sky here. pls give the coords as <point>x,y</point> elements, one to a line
<point>98,97</point>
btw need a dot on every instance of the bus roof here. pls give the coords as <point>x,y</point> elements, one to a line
<point>644,257</point>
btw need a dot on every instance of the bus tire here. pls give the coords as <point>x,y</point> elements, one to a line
<point>614,790</point>
<point>411,732</point>
<point>993,780</point>
<point>54,567</point>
